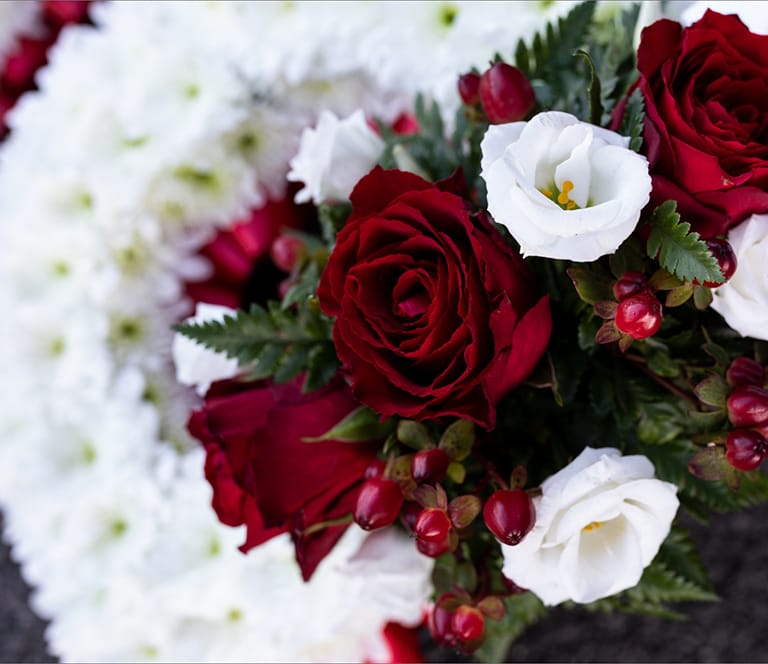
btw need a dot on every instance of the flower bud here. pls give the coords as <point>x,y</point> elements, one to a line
<point>748,406</point>
<point>506,94</point>
<point>469,88</point>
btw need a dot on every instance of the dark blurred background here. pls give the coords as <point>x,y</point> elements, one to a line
<point>734,548</point>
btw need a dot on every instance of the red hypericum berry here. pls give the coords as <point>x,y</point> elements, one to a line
<point>639,316</point>
<point>435,549</point>
<point>433,525</point>
<point>439,624</point>
<point>506,94</point>
<point>748,406</point>
<point>726,259</point>
<point>469,88</point>
<point>429,465</point>
<point>467,623</point>
<point>378,503</point>
<point>745,371</point>
<point>629,284</point>
<point>509,514</point>
<point>745,449</point>
<point>286,252</point>
<point>408,515</point>
<point>406,124</point>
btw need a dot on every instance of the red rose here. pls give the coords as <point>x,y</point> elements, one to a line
<point>436,314</point>
<point>265,477</point>
<point>706,126</point>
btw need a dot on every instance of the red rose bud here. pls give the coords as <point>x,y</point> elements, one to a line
<point>745,449</point>
<point>433,525</point>
<point>748,406</point>
<point>467,624</point>
<point>629,284</point>
<point>429,465</point>
<point>378,503</point>
<point>745,371</point>
<point>469,88</point>
<point>509,515</point>
<point>287,251</point>
<point>506,94</point>
<point>639,316</point>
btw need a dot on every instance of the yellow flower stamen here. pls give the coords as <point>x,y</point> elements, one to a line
<point>591,526</point>
<point>563,198</point>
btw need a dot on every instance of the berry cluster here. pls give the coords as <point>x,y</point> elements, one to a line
<point>411,486</point>
<point>747,406</point>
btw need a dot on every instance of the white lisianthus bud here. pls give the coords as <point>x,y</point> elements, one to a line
<point>743,299</point>
<point>197,365</point>
<point>334,156</point>
<point>599,522</point>
<point>564,188</point>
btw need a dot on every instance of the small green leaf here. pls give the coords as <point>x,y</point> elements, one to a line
<point>458,439</point>
<point>463,510</point>
<point>362,424</point>
<point>414,434</point>
<point>425,495</point>
<point>678,296</point>
<point>456,472</point>
<point>492,607</point>
<point>632,121</point>
<point>709,463</point>
<point>712,391</point>
<point>702,297</point>
<point>590,286</point>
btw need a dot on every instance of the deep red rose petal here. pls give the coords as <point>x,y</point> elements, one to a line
<point>380,188</point>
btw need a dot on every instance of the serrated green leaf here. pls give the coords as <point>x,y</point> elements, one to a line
<point>679,249</point>
<point>632,121</point>
<point>294,359</point>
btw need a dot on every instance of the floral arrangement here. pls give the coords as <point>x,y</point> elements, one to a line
<point>470,314</point>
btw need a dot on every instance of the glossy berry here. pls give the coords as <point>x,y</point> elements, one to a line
<point>748,406</point>
<point>506,94</point>
<point>639,316</point>
<point>433,525</point>
<point>509,514</point>
<point>408,515</point>
<point>745,371</point>
<point>745,449</point>
<point>436,549</point>
<point>378,503</point>
<point>726,259</point>
<point>629,284</point>
<point>429,465</point>
<point>439,623</point>
<point>469,88</point>
<point>467,624</point>
<point>286,252</point>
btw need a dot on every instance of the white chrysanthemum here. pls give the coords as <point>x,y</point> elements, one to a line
<point>599,522</point>
<point>564,188</point>
<point>333,156</point>
<point>743,299</point>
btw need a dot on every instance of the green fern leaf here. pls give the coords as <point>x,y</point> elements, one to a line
<point>680,250</point>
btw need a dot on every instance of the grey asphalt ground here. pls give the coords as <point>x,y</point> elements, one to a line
<point>734,548</point>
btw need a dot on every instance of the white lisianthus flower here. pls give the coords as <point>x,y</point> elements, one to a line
<point>743,299</point>
<point>564,188</point>
<point>599,522</point>
<point>197,365</point>
<point>334,156</point>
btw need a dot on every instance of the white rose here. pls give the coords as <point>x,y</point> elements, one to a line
<point>197,365</point>
<point>334,156</point>
<point>564,188</point>
<point>599,522</point>
<point>743,299</point>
